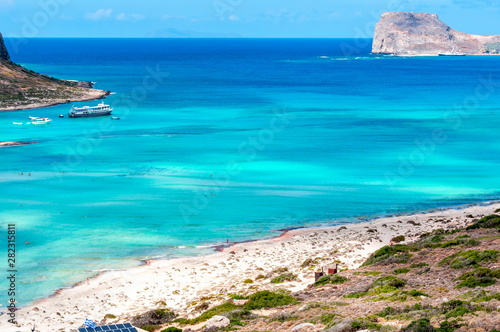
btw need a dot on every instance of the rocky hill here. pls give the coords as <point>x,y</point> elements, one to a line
<point>21,88</point>
<point>422,34</point>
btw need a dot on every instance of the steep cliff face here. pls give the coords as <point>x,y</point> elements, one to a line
<point>403,33</point>
<point>4,55</point>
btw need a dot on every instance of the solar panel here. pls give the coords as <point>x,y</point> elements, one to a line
<point>127,327</point>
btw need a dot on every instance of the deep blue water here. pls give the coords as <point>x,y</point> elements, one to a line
<point>235,139</point>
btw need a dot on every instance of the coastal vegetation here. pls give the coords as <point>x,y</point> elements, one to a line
<point>441,285</point>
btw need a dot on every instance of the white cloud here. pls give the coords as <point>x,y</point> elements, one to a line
<point>233,18</point>
<point>101,14</point>
<point>129,17</point>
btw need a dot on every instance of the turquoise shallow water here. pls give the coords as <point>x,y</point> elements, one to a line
<point>243,137</point>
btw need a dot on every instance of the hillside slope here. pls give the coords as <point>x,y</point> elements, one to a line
<point>447,281</point>
<point>21,88</point>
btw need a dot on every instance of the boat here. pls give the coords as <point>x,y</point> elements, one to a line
<point>61,115</point>
<point>18,123</point>
<point>34,118</point>
<point>90,111</point>
<point>115,118</point>
<point>40,121</point>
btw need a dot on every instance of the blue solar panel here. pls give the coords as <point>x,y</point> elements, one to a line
<point>110,328</point>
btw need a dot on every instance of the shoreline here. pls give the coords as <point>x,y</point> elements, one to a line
<point>230,266</point>
<point>94,94</point>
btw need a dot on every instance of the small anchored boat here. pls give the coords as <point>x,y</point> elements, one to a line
<point>40,121</point>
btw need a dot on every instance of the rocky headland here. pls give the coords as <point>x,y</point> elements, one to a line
<point>422,34</point>
<point>21,88</point>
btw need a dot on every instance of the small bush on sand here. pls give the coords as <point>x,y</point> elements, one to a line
<point>397,239</point>
<point>284,277</point>
<point>171,329</point>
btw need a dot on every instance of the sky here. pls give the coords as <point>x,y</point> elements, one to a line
<point>230,18</point>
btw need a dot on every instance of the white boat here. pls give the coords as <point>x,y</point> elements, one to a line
<point>18,123</point>
<point>40,121</point>
<point>90,111</point>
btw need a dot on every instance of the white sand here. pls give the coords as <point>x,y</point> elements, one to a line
<point>180,282</point>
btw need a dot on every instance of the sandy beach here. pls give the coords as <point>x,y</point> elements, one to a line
<point>182,283</point>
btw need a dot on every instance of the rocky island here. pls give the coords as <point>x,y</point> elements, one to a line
<point>21,88</point>
<point>422,34</point>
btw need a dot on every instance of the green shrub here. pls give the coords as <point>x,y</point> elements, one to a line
<point>400,296</point>
<point>387,284</point>
<point>397,253</point>
<point>260,276</point>
<point>483,296</point>
<point>111,316</point>
<point>414,266</point>
<point>421,325</point>
<point>455,308</point>
<point>381,285</point>
<point>280,270</point>
<point>268,299</point>
<point>154,317</point>
<point>365,323</point>
<point>171,329</point>
<point>491,221</point>
<point>472,243</point>
<point>330,279</point>
<point>310,262</point>
<point>397,239</point>
<point>355,295</point>
<point>451,243</point>
<point>448,326</point>
<point>465,236</point>
<point>149,328</point>
<point>462,259</point>
<point>328,318</point>
<point>288,276</point>
<point>217,310</point>
<point>248,281</point>
<point>480,277</point>
<point>282,317</point>
<point>401,271</point>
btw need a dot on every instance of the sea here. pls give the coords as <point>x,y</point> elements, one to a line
<point>227,140</point>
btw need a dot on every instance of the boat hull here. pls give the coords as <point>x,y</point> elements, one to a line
<point>88,115</point>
